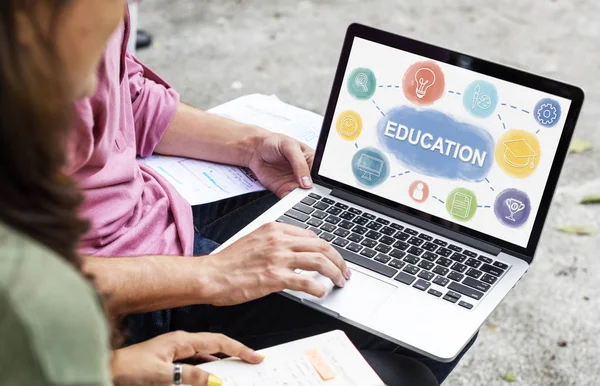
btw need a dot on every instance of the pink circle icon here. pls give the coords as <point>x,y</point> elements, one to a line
<point>418,191</point>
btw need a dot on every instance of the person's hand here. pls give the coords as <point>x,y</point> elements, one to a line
<point>265,261</point>
<point>151,363</point>
<point>282,164</point>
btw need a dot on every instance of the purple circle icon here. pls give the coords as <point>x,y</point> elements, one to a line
<point>512,208</point>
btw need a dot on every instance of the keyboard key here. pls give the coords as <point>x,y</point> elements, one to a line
<point>401,245</point>
<point>491,269</point>
<point>369,243</point>
<point>289,221</point>
<point>374,225</point>
<point>328,228</point>
<point>485,259</point>
<point>467,291</point>
<point>454,294</point>
<point>388,231</point>
<point>297,215</point>
<point>345,224</point>
<point>369,216</point>
<point>333,210</point>
<point>429,246</point>
<point>321,205</point>
<point>478,285</point>
<point>396,226</point>
<point>401,236</point>
<point>471,262</point>
<point>355,237</point>
<point>328,201</point>
<point>439,242</point>
<point>426,275</point>
<point>368,253</point>
<point>411,259</point>
<point>366,263</point>
<point>315,196</point>
<point>382,221</point>
<point>455,248</point>
<point>354,211</point>
<point>489,279</point>
<point>304,209</point>
<point>341,232</point>
<point>422,285</point>
<point>500,265</point>
<point>315,222</point>
<point>441,281</point>
<point>450,299</point>
<point>354,247</point>
<point>341,206</point>
<point>466,305</point>
<point>320,215</point>
<point>469,253</point>
<point>373,235</point>
<point>435,293</point>
<point>382,258</point>
<point>444,252</point>
<point>327,236</point>
<point>458,257</point>
<point>425,236</point>
<point>347,216</point>
<point>333,219</point>
<point>341,242</point>
<point>411,269</point>
<point>415,251</point>
<point>429,256</point>
<point>405,278</point>
<point>387,240</point>
<point>360,230</point>
<point>445,262</point>
<point>459,267</point>
<point>456,276</point>
<point>411,231</point>
<point>441,270</point>
<point>360,221</point>
<point>415,241</point>
<point>396,263</point>
<point>383,248</point>
<point>472,272</point>
<point>308,201</point>
<point>398,254</point>
<point>317,231</point>
<point>426,265</point>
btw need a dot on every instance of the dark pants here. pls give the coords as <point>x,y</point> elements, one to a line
<point>274,319</point>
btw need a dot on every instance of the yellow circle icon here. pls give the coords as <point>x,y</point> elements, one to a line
<point>349,125</point>
<point>518,153</point>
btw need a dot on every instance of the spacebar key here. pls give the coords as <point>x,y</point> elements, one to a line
<point>366,263</point>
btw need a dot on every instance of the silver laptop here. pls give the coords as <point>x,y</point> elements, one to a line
<point>433,177</point>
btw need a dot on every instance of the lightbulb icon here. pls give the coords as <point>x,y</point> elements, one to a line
<point>425,78</point>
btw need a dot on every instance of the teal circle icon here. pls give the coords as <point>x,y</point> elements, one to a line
<point>370,167</point>
<point>362,83</point>
<point>480,98</point>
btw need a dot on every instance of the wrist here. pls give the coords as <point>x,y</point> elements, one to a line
<point>255,136</point>
<point>207,281</point>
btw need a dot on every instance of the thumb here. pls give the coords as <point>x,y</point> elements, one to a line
<point>292,150</point>
<point>193,376</point>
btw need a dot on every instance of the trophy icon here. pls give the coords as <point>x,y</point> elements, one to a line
<point>514,206</point>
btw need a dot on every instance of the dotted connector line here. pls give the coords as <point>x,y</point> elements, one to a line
<point>401,174</point>
<point>375,103</point>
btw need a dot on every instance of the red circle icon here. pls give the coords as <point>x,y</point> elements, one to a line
<point>418,191</point>
<point>423,83</point>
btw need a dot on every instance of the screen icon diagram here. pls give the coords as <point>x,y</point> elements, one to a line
<point>425,78</point>
<point>370,167</point>
<point>480,98</point>
<point>362,80</point>
<point>514,207</point>
<point>461,204</point>
<point>418,191</point>
<point>349,125</point>
<point>547,112</point>
<point>361,83</point>
<point>519,154</point>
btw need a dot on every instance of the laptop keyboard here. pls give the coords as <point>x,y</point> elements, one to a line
<point>396,251</point>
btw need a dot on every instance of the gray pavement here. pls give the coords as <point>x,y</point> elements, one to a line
<point>291,48</point>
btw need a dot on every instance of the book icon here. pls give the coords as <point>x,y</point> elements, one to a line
<point>461,205</point>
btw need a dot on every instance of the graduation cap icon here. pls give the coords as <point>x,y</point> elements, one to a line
<point>519,154</point>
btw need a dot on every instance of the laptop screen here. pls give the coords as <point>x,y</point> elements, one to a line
<point>444,140</point>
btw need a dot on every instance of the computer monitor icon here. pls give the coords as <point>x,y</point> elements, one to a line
<point>370,166</point>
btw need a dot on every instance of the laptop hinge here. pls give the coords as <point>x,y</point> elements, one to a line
<point>434,228</point>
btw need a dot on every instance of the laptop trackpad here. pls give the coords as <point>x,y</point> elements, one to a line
<point>362,295</point>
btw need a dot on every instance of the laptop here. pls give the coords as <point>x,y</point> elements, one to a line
<point>433,177</point>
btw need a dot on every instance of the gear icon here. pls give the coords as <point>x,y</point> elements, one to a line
<point>547,114</point>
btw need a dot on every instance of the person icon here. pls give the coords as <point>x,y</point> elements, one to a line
<point>418,191</point>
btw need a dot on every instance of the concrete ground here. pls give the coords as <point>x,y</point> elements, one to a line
<point>291,48</point>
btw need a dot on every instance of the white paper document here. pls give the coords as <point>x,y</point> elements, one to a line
<point>202,182</point>
<point>329,359</point>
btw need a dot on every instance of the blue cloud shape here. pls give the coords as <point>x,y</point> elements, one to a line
<point>435,144</point>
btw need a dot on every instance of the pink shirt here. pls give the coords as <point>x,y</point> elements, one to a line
<point>133,211</point>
